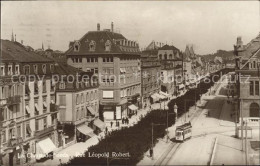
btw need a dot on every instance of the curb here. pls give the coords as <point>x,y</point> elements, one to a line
<point>213,152</point>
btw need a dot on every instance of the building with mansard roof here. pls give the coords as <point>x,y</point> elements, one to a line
<point>248,73</point>
<point>117,60</point>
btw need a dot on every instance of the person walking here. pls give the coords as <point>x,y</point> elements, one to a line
<point>111,124</point>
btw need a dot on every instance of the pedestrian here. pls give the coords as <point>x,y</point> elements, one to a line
<point>123,119</point>
<point>111,124</point>
<point>106,130</point>
<point>135,112</point>
<point>151,152</point>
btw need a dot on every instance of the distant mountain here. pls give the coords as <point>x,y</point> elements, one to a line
<point>227,56</point>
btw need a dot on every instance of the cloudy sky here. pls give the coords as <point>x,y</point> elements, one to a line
<point>209,26</point>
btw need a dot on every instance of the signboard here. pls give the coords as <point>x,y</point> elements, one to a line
<point>108,94</point>
<point>118,112</point>
<point>108,115</point>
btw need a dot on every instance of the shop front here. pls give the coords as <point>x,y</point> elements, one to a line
<point>83,133</point>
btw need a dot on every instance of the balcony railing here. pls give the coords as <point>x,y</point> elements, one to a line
<point>43,131</point>
<point>13,100</point>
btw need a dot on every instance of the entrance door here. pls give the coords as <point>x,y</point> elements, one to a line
<point>11,159</point>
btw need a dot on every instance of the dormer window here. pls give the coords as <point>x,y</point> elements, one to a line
<point>52,68</point>
<point>2,70</point>
<point>35,68</point>
<point>27,69</point>
<point>44,69</point>
<point>10,71</point>
<point>17,71</point>
<point>92,45</point>
<point>108,45</point>
<point>76,46</point>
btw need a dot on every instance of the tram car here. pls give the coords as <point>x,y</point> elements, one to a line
<point>183,132</point>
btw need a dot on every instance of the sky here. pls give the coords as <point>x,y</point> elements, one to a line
<point>207,25</point>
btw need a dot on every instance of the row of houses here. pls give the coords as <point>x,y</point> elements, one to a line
<point>50,100</point>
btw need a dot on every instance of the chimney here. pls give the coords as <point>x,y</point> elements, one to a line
<point>98,27</point>
<point>112,27</point>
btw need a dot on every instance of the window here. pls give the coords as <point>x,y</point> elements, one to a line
<point>82,98</point>
<point>52,68</point>
<point>251,88</point>
<point>10,71</point>
<point>2,70</point>
<point>257,88</point>
<point>35,69</point>
<point>36,124</point>
<point>96,70</point>
<point>45,123</point>
<point>87,97</point>
<point>160,56</point>
<point>165,56</point>
<point>44,69</point>
<point>92,45</point>
<point>28,130</point>
<point>62,85</point>
<point>76,46</point>
<point>96,59</point>
<point>19,131</point>
<point>77,99</point>
<point>104,59</point>
<point>27,69</point>
<point>62,100</point>
<point>254,64</point>
<point>17,69</point>
<point>88,59</point>
<point>108,45</point>
<point>3,136</point>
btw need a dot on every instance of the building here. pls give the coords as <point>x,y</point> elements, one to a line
<point>30,120</point>
<point>248,73</point>
<point>78,104</point>
<point>150,74</point>
<point>117,62</point>
<point>171,70</point>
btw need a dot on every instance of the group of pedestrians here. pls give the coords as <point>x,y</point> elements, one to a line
<point>125,121</point>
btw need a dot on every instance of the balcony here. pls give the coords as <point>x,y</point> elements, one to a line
<point>14,141</point>
<point>44,131</point>
<point>13,100</point>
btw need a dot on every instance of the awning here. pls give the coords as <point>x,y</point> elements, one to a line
<point>155,98</point>
<point>164,94</point>
<point>91,110</point>
<point>100,124</point>
<point>160,96</point>
<point>27,109</point>
<point>133,107</point>
<point>36,106</point>
<point>44,147</point>
<point>181,86</point>
<point>45,104</point>
<point>84,129</point>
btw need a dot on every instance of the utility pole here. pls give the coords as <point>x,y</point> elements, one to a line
<point>242,124</point>
<point>246,143</point>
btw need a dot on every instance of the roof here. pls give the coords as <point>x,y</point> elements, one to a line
<point>167,47</point>
<point>65,69</point>
<point>15,50</point>
<point>100,38</point>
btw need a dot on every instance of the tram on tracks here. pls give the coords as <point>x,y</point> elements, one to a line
<point>183,132</point>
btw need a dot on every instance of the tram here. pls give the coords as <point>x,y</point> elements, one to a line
<point>183,132</point>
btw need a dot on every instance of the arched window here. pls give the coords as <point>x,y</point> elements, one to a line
<point>254,110</point>
<point>254,64</point>
<point>165,56</point>
<point>170,56</point>
<point>92,45</point>
<point>160,56</point>
<point>108,45</point>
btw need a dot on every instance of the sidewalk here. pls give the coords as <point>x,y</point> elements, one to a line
<point>70,152</point>
<point>228,151</point>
